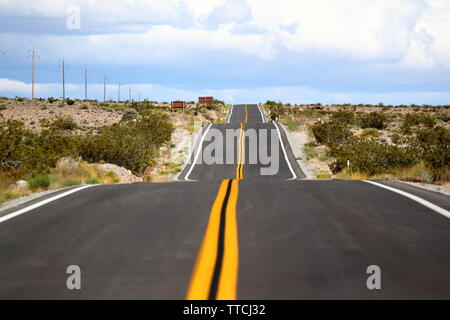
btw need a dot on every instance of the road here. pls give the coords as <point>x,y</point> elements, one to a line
<point>231,233</point>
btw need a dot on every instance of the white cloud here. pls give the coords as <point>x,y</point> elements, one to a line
<point>232,11</point>
<point>349,29</point>
<point>159,44</point>
<point>102,11</point>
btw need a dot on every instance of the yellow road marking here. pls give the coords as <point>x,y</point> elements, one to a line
<point>202,276</point>
<point>200,287</point>
<point>229,274</point>
<point>206,259</point>
<point>241,154</point>
<point>246,114</point>
<point>241,167</point>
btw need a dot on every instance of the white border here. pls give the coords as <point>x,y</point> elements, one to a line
<point>40,204</point>
<point>423,202</point>
<point>197,154</point>
<point>262,114</point>
<point>230,112</point>
<point>294,176</point>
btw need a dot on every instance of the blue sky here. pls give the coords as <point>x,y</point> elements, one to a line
<point>298,51</point>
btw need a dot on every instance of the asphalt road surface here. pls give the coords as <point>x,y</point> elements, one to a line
<point>228,231</point>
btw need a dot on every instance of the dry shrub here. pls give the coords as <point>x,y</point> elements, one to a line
<point>416,173</point>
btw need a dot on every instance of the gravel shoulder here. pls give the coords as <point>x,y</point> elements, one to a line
<point>297,140</point>
<point>431,187</point>
<point>6,207</point>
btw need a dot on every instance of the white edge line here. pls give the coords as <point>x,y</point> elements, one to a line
<point>40,203</point>
<point>294,176</point>
<point>423,202</point>
<point>230,112</point>
<point>197,154</point>
<point>262,115</point>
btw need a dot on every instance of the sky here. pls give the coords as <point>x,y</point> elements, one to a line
<point>240,51</point>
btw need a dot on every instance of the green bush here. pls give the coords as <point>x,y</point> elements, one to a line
<point>276,110</point>
<point>345,117</point>
<point>330,132</point>
<point>310,152</point>
<point>70,102</point>
<point>432,146</point>
<point>22,153</point>
<point>396,138</point>
<point>371,157</point>
<point>39,182</point>
<point>2,106</point>
<point>91,180</point>
<point>71,182</point>
<point>375,120</point>
<point>128,144</point>
<point>130,114</point>
<point>51,99</point>
<point>25,153</point>
<point>63,123</point>
<point>412,120</point>
<point>435,145</point>
<point>213,106</point>
<point>370,132</point>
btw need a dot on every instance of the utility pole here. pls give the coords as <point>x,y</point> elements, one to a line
<point>139,96</point>
<point>85,84</point>
<point>63,81</point>
<point>129,92</point>
<point>118,96</point>
<point>33,58</point>
<point>104,88</point>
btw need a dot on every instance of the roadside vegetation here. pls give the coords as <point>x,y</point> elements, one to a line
<point>373,142</point>
<point>48,144</point>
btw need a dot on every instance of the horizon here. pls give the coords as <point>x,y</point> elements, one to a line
<point>235,50</point>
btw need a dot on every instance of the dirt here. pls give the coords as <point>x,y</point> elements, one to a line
<point>85,114</point>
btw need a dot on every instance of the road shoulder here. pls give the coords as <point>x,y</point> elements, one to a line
<point>434,197</point>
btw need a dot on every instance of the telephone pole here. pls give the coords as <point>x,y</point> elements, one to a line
<point>85,84</point>
<point>118,96</point>
<point>63,81</point>
<point>33,57</point>
<point>129,92</point>
<point>104,88</point>
<point>32,54</point>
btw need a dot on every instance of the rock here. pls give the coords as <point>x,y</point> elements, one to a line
<point>124,175</point>
<point>22,184</point>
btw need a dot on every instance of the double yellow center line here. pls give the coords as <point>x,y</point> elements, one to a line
<point>241,149</point>
<point>216,268</point>
<point>241,154</point>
